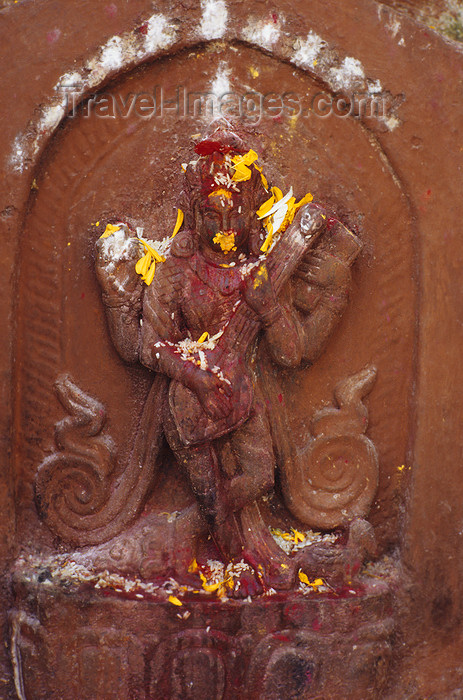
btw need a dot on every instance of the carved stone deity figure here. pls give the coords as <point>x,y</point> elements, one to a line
<point>251,284</point>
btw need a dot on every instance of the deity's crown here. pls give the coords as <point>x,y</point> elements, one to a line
<point>224,164</point>
<point>221,139</point>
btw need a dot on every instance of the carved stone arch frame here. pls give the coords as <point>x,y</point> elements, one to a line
<point>408,145</point>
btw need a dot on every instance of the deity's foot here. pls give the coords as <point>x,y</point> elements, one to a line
<point>339,563</point>
<point>272,575</point>
<point>246,584</point>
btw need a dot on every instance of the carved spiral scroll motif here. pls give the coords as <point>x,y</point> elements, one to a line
<point>337,473</point>
<point>71,484</point>
<point>81,495</point>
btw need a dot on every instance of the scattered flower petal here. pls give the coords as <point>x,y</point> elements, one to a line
<point>174,600</point>
<point>241,163</point>
<point>109,230</point>
<point>178,223</point>
<point>315,584</point>
<point>221,193</point>
<point>226,241</point>
<point>262,176</point>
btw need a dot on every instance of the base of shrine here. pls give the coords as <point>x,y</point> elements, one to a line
<point>83,642</point>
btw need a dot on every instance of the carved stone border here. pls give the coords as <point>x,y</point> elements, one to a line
<point>414,146</point>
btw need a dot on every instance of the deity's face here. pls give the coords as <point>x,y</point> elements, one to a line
<point>223,223</point>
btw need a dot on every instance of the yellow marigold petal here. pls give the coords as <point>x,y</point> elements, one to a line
<point>142,265</point>
<point>298,536</point>
<point>262,176</point>
<point>315,584</point>
<point>158,257</point>
<point>174,600</point>
<point>277,193</point>
<point>178,223</point>
<point>289,216</point>
<point>248,158</point>
<point>153,252</point>
<point>226,241</point>
<point>242,173</point>
<point>268,224</point>
<point>264,248</point>
<point>109,230</point>
<point>291,203</point>
<point>240,163</point>
<point>148,278</point>
<point>211,587</point>
<point>146,264</point>
<point>305,200</point>
<point>221,193</point>
<point>203,337</point>
<point>265,207</point>
<point>193,567</point>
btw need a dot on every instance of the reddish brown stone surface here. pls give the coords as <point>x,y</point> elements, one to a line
<point>395,181</point>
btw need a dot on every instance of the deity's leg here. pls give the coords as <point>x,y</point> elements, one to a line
<point>252,446</point>
<point>208,485</point>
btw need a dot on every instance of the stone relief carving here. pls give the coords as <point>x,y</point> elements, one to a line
<point>117,587</point>
<point>250,285</point>
<point>251,572</point>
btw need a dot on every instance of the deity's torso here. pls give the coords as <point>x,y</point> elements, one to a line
<point>190,294</point>
<point>210,294</point>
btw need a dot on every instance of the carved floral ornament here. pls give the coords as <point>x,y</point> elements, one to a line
<point>250,285</point>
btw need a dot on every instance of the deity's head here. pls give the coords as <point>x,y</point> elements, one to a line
<point>222,197</point>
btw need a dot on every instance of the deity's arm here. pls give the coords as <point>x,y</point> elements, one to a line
<point>321,288</point>
<point>162,331</point>
<point>283,332</point>
<point>122,290</point>
<point>163,327</point>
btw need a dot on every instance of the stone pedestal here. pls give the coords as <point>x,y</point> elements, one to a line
<point>74,641</point>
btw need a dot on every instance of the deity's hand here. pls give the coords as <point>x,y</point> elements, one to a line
<point>312,220</point>
<point>258,290</point>
<point>116,256</point>
<point>325,270</point>
<point>213,394</point>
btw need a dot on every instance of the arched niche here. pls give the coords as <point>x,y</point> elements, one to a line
<point>103,163</point>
